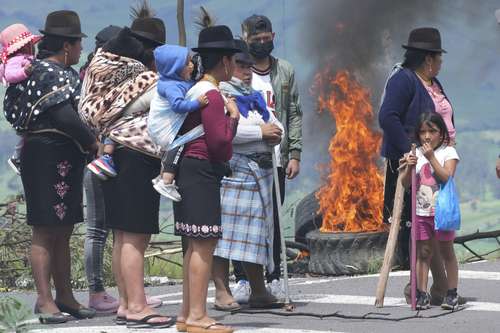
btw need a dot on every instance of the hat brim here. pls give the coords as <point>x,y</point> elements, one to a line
<point>208,49</point>
<point>250,62</point>
<point>80,35</point>
<point>20,44</point>
<point>407,47</point>
<point>144,36</point>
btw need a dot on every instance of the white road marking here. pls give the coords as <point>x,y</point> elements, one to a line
<point>462,274</point>
<point>119,329</point>
<point>388,301</point>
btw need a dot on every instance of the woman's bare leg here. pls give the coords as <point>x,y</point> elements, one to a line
<point>41,256</point>
<point>220,275</point>
<point>132,270</point>
<point>120,283</point>
<point>184,310</point>
<point>61,267</point>
<point>200,267</point>
<point>255,275</point>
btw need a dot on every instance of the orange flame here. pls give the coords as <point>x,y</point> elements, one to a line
<point>352,198</point>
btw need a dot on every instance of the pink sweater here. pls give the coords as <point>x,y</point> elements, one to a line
<point>443,107</point>
<point>13,71</point>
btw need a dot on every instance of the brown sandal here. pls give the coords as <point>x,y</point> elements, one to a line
<point>210,328</point>
<point>181,326</point>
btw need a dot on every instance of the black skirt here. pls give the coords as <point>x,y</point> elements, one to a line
<point>132,204</point>
<point>198,214</point>
<point>52,176</point>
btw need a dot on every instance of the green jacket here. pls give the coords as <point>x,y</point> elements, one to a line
<point>287,106</point>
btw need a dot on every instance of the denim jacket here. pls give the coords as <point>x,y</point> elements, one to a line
<point>288,109</point>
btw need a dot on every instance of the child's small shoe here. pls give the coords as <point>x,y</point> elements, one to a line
<point>106,164</point>
<point>15,164</point>
<point>423,300</point>
<point>96,171</point>
<point>167,190</point>
<point>450,301</point>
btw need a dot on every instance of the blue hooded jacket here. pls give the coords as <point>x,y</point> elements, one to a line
<point>170,61</point>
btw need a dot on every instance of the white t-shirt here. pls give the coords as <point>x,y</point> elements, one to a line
<point>261,82</point>
<point>427,185</point>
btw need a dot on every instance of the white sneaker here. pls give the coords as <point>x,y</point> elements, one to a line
<point>277,289</point>
<point>167,190</point>
<point>241,292</point>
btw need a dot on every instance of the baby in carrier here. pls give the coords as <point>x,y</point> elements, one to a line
<point>17,56</point>
<point>123,45</point>
<point>175,67</point>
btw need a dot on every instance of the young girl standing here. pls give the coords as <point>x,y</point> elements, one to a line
<point>435,163</point>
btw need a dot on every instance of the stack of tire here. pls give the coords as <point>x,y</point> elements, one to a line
<point>339,253</point>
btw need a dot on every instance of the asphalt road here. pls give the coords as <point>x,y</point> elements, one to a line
<point>351,297</point>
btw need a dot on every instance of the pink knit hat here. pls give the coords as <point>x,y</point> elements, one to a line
<point>14,37</point>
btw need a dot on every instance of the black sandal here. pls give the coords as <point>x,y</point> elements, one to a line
<point>80,313</point>
<point>121,320</point>
<point>144,323</point>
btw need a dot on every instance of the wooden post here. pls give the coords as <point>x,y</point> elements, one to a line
<point>413,253</point>
<point>391,243</point>
<point>180,22</point>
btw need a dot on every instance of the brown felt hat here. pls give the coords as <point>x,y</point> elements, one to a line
<point>64,23</point>
<point>427,39</point>
<point>149,29</point>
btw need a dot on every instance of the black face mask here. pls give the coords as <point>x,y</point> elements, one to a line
<point>261,50</point>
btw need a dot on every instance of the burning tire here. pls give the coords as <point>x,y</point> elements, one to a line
<point>346,253</point>
<point>307,217</point>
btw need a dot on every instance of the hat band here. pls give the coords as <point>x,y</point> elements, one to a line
<point>19,37</point>
<point>147,35</point>
<point>226,44</point>
<point>424,45</point>
<point>61,31</point>
<point>4,55</point>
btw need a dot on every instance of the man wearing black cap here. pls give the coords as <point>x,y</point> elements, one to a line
<point>275,79</point>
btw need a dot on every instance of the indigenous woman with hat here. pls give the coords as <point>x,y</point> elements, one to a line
<point>116,94</point>
<point>247,200</point>
<point>412,89</point>
<point>198,215</point>
<point>52,161</point>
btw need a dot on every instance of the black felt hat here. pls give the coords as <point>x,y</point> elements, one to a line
<point>149,29</point>
<point>244,56</point>
<point>64,23</point>
<point>125,44</point>
<point>217,37</point>
<point>106,34</point>
<point>427,39</point>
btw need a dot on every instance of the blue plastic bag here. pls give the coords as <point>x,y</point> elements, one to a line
<point>447,216</point>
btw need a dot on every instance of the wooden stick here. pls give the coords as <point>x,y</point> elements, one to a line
<point>413,254</point>
<point>180,22</point>
<point>391,243</point>
<point>282,229</point>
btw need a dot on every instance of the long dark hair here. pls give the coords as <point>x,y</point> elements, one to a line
<point>210,59</point>
<point>433,118</point>
<point>51,45</point>
<point>414,58</point>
